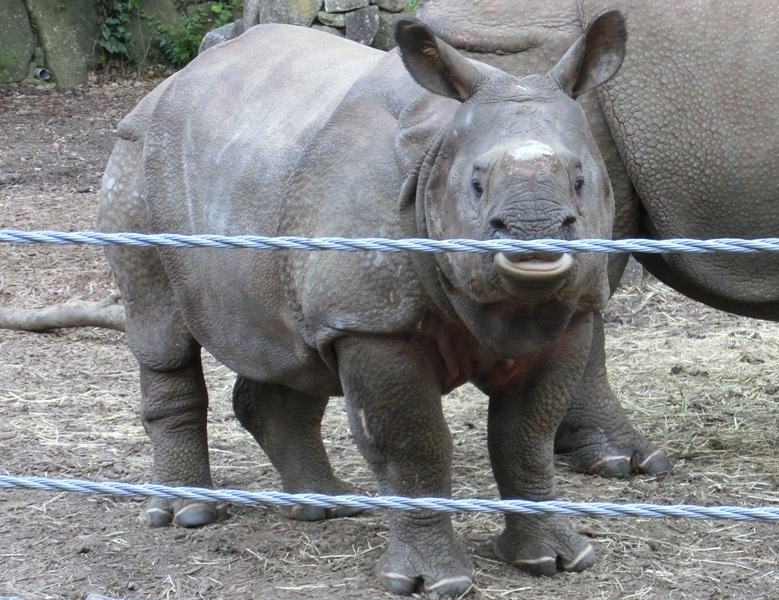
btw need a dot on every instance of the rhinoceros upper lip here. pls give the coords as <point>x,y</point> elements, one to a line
<point>533,260</point>
<point>534,266</point>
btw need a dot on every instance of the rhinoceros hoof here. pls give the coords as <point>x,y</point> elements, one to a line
<point>331,486</point>
<point>543,546</point>
<point>184,513</point>
<point>611,463</point>
<point>447,571</point>
<point>621,465</point>
<point>197,514</point>
<point>298,512</point>
<point>596,453</point>
<point>653,464</point>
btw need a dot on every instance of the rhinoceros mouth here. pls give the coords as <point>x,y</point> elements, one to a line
<point>538,266</point>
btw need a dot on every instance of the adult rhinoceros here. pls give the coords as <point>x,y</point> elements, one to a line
<point>286,130</point>
<point>689,130</point>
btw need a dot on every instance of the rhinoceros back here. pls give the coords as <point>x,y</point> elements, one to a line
<point>220,146</point>
<point>238,115</point>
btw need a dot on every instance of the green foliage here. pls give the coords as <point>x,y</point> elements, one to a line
<point>177,45</point>
<point>411,6</point>
<point>180,46</point>
<point>114,38</point>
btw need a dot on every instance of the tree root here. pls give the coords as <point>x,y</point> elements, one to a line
<point>107,313</point>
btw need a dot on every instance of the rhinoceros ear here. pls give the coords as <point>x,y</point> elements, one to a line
<point>434,64</point>
<point>595,57</point>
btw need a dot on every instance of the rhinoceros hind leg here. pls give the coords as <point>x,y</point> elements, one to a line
<point>173,409</point>
<point>174,401</point>
<point>596,430</point>
<point>287,425</point>
<point>543,546</point>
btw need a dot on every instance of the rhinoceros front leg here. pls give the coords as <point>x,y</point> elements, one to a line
<point>287,425</point>
<point>597,432</point>
<point>393,395</point>
<point>524,412</point>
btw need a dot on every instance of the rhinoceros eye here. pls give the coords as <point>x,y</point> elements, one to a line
<point>579,184</point>
<point>477,188</point>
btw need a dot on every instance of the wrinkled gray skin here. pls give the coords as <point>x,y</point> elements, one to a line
<point>689,130</point>
<point>413,143</point>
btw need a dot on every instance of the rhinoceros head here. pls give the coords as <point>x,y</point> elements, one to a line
<point>517,161</point>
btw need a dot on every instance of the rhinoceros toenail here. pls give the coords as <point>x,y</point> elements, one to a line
<point>640,464</point>
<point>195,515</point>
<point>158,517</point>
<point>458,584</point>
<point>595,467</point>
<point>588,552</point>
<point>535,561</point>
<point>398,583</point>
<point>398,577</point>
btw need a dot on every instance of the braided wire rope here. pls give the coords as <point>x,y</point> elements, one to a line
<point>14,236</point>
<point>449,505</point>
<point>378,244</point>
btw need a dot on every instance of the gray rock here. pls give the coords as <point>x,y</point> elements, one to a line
<point>146,40</point>
<point>17,42</point>
<point>335,6</point>
<point>331,30</point>
<point>362,25</point>
<point>251,13</point>
<point>294,12</point>
<point>220,34</point>
<point>391,5</point>
<point>66,32</point>
<point>331,19</point>
<point>385,37</point>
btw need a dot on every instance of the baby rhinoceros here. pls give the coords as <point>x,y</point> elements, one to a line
<point>289,131</point>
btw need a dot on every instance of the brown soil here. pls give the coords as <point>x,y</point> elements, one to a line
<point>700,383</point>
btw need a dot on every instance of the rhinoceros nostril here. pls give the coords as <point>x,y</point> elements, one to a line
<point>569,220</point>
<point>499,227</point>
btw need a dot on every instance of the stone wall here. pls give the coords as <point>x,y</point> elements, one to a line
<point>17,41</point>
<point>369,22</point>
<point>57,39</point>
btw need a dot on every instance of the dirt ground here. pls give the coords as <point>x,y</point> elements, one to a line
<point>702,384</point>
